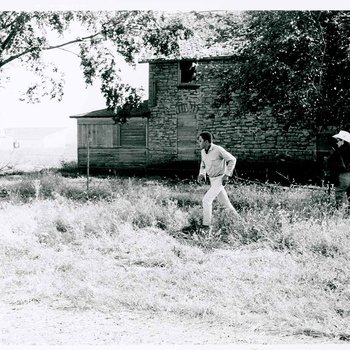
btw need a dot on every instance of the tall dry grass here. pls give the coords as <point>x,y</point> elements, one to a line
<point>131,244</point>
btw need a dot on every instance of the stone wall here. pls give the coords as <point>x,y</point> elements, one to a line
<point>250,137</point>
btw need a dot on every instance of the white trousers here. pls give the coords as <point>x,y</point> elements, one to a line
<point>216,190</point>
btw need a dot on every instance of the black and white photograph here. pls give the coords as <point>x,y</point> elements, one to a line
<point>174,175</point>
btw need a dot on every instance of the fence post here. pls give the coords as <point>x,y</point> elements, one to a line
<point>88,161</point>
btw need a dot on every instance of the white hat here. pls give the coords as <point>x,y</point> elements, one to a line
<point>343,135</point>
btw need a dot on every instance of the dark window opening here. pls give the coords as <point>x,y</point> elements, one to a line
<point>188,72</point>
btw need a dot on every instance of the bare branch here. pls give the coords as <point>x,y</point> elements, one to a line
<point>69,51</point>
<point>77,40</point>
<point>32,49</point>
<point>12,58</point>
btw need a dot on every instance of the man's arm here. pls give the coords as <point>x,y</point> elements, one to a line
<point>202,172</point>
<point>230,161</point>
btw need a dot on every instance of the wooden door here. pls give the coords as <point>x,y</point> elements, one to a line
<point>187,137</point>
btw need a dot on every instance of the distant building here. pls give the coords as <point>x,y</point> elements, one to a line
<point>35,148</point>
<point>35,137</point>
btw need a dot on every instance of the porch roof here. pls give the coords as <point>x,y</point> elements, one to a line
<point>140,111</point>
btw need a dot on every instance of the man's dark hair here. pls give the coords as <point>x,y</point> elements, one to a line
<point>206,136</point>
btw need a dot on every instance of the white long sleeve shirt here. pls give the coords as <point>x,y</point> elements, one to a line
<point>217,162</point>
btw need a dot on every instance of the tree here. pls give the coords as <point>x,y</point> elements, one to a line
<point>297,63</point>
<point>26,36</point>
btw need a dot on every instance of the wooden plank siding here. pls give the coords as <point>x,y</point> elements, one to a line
<point>101,136</point>
<point>112,146</point>
<point>187,130</point>
<point>113,158</point>
<point>133,133</point>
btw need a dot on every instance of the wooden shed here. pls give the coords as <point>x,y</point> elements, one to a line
<point>109,145</point>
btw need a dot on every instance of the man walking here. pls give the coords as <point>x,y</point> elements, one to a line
<point>218,164</point>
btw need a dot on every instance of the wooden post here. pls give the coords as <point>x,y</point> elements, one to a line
<point>88,161</point>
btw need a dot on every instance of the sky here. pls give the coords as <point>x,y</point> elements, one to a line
<point>77,97</point>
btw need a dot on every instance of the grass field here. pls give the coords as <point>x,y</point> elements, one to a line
<point>281,273</point>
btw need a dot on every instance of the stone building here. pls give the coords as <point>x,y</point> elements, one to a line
<point>180,105</point>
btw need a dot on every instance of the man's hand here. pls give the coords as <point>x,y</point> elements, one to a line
<point>201,179</point>
<point>225,179</point>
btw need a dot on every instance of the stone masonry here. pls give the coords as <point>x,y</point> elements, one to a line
<point>251,138</point>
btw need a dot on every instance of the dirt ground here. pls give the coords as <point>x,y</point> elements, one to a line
<point>33,324</point>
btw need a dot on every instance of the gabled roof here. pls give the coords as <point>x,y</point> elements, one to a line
<point>142,110</point>
<point>103,113</point>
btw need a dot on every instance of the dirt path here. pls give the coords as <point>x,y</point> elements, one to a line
<point>32,324</point>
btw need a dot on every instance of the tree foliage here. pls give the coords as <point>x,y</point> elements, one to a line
<point>297,63</point>
<point>26,36</point>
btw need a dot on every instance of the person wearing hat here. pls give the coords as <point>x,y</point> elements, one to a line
<point>339,166</point>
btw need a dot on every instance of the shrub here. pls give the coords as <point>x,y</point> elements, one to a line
<point>50,184</point>
<point>69,168</point>
<point>25,190</point>
<point>73,191</point>
<point>100,190</point>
